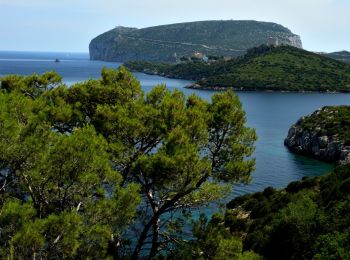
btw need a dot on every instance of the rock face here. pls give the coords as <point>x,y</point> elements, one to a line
<point>316,140</point>
<point>168,43</point>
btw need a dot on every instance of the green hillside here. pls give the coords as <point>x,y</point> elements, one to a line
<point>282,68</point>
<point>307,220</point>
<point>171,42</point>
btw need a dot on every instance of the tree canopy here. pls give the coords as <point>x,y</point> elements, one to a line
<point>309,219</point>
<point>101,169</point>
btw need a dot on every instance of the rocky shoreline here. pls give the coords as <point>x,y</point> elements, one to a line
<point>218,88</point>
<point>315,142</point>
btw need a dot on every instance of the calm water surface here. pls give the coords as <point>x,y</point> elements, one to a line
<point>271,114</point>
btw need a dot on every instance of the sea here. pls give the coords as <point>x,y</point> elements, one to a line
<point>271,114</point>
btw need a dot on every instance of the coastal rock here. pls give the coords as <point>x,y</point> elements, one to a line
<point>320,135</point>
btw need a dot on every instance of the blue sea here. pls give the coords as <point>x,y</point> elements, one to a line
<point>271,114</point>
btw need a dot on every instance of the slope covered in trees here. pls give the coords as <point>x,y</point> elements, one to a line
<point>171,42</point>
<point>100,170</point>
<point>310,219</point>
<point>282,68</point>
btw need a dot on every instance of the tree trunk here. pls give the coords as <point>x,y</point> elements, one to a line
<point>155,237</point>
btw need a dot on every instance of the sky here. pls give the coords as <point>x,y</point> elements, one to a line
<point>69,25</point>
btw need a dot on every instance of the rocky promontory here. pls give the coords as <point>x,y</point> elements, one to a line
<point>324,135</point>
<point>169,43</point>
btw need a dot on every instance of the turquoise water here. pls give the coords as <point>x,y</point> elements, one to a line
<point>271,114</point>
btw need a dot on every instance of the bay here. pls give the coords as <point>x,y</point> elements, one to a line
<point>271,114</point>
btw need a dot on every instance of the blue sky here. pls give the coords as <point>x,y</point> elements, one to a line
<point>69,25</point>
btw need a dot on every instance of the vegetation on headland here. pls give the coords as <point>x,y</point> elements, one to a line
<point>264,68</point>
<point>310,219</point>
<point>167,43</point>
<point>100,170</point>
<point>330,121</point>
<point>323,135</point>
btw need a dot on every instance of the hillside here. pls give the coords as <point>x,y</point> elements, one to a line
<point>171,42</point>
<point>325,135</point>
<point>264,68</point>
<point>343,56</point>
<point>307,220</point>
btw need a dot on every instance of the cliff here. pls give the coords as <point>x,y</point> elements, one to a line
<point>171,42</point>
<point>323,135</point>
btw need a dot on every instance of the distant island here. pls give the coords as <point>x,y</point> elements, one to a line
<point>168,43</point>
<point>343,56</point>
<point>263,68</point>
<point>325,135</point>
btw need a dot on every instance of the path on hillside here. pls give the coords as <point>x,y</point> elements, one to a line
<point>165,43</point>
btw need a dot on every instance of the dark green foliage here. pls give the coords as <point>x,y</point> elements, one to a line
<point>186,70</point>
<point>269,191</point>
<point>294,187</point>
<point>236,224</point>
<point>211,241</point>
<point>333,246</point>
<point>32,86</point>
<point>310,219</point>
<point>100,170</point>
<point>265,68</point>
<point>284,68</point>
<point>53,184</point>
